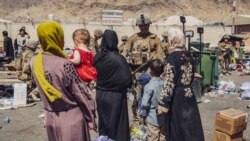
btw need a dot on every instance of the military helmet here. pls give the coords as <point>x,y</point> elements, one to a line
<point>164,34</point>
<point>124,38</point>
<point>32,44</point>
<point>143,19</point>
<point>226,37</point>
<point>98,33</point>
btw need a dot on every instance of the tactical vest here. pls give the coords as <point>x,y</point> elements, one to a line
<point>165,49</point>
<point>142,49</point>
<point>226,48</point>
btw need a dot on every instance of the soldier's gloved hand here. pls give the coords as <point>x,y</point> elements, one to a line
<point>142,120</point>
<point>153,57</point>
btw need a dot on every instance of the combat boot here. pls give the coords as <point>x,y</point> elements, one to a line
<point>34,97</point>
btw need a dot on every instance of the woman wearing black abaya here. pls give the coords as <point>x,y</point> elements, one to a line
<point>177,97</point>
<point>113,79</point>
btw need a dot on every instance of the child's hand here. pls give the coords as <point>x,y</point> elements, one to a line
<point>162,110</point>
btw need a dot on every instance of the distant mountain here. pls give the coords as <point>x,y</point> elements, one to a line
<point>80,11</point>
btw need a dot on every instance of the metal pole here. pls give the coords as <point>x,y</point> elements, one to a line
<point>200,53</point>
<point>183,25</point>
<point>189,40</point>
<point>234,16</point>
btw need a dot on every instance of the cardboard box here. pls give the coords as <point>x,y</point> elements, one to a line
<point>219,136</point>
<point>231,121</point>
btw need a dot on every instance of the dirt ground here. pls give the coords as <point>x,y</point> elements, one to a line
<point>25,125</point>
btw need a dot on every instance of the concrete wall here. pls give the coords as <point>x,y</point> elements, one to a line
<point>212,34</point>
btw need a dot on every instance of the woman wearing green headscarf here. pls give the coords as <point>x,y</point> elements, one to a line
<point>69,107</point>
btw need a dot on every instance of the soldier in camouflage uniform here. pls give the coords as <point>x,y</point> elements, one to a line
<point>225,53</point>
<point>164,44</point>
<point>143,45</point>
<point>22,65</point>
<point>124,40</point>
<point>141,48</point>
<point>94,47</point>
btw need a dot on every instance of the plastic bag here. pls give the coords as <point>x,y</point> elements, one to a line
<point>103,138</point>
<point>245,91</point>
<point>245,95</point>
<point>245,86</point>
<point>138,133</point>
<point>227,87</point>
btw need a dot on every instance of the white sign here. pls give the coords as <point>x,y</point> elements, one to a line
<point>112,17</point>
<point>20,94</point>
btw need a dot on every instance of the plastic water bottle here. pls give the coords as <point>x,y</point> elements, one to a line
<point>6,120</point>
<point>248,106</point>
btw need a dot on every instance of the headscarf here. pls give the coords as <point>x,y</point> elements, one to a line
<point>51,37</point>
<point>109,44</point>
<point>109,41</point>
<point>113,72</point>
<point>176,40</point>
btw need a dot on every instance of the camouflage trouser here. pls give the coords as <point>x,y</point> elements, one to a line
<point>34,91</point>
<point>30,86</point>
<point>224,65</point>
<point>136,90</point>
<point>134,107</point>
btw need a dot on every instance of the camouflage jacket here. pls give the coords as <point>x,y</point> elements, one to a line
<point>121,48</point>
<point>225,48</point>
<point>94,47</point>
<point>22,65</point>
<point>142,49</point>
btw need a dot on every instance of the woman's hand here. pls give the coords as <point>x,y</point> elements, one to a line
<point>162,110</point>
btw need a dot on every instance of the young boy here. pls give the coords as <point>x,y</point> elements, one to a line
<point>144,78</point>
<point>150,101</point>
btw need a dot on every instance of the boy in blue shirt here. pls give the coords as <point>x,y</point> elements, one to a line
<point>150,100</point>
<point>144,78</point>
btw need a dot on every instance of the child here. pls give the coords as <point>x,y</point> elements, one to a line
<point>82,57</point>
<point>144,78</point>
<point>150,99</point>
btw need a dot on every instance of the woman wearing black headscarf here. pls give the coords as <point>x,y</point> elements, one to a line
<point>113,79</point>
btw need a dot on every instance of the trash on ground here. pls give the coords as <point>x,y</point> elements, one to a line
<point>103,138</point>
<point>6,120</point>
<point>248,106</point>
<point>226,87</point>
<point>246,72</point>
<point>206,101</point>
<point>17,106</point>
<point>41,115</point>
<point>245,91</point>
<point>247,65</point>
<point>212,94</point>
<point>6,102</point>
<point>138,132</point>
<point>233,66</point>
